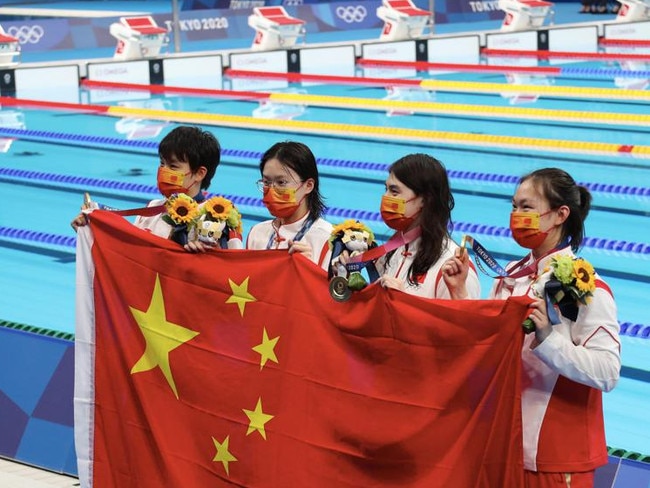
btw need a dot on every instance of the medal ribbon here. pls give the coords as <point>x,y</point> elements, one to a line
<point>143,211</point>
<point>360,261</point>
<point>483,255</point>
<point>301,233</point>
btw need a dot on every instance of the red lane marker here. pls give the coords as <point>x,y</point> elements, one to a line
<point>297,77</point>
<point>176,89</point>
<point>477,68</point>
<point>23,102</point>
<point>565,54</point>
<point>623,42</point>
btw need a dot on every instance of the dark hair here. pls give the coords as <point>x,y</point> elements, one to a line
<point>427,177</point>
<point>559,188</point>
<point>194,145</point>
<point>299,158</point>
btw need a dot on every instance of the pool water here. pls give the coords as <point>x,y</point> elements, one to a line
<point>51,157</point>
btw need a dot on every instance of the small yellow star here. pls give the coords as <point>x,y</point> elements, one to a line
<point>240,294</point>
<point>223,454</point>
<point>161,336</point>
<point>257,419</point>
<point>266,349</point>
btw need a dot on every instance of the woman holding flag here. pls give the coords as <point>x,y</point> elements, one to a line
<point>574,353</point>
<point>189,157</point>
<point>417,204</point>
<point>291,193</point>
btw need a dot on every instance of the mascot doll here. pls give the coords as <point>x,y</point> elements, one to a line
<point>219,222</point>
<point>355,238</point>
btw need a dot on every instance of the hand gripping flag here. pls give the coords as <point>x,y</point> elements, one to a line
<point>236,368</point>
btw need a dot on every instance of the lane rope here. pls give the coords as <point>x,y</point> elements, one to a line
<point>425,107</point>
<point>429,137</point>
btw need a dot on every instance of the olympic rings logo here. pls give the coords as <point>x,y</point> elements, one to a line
<point>352,14</point>
<point>26,34</point>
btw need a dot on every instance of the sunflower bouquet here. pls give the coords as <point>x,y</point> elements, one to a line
<point>217,214</point>
<point>206,223</point>
<point>182,213</point>
<point>572,283</point>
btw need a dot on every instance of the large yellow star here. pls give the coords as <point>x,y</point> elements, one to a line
<point>223,454</point>
<point>266,349</point>
<point>257,419</point>
<point>160,335</point>
<point>240,294</point>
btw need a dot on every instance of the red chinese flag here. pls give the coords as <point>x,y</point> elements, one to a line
<point>236,368</point>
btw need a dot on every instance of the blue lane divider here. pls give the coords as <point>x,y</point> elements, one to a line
<point>337,163</point>
<point>77,180</point>
<point>467,175</point>
<point>635,330</point>
<point>345,213</point>
<point>605,73</point>
<point>86,139</point>
<point>342,213</point>
<point>511,179</point>
<point>38,237</point>
<point>627,328</point>
<point>592,242</point>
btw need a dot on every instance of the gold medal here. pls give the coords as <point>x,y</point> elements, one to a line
<point>463,244</point>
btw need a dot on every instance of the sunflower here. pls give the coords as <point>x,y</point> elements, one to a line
<point>218,208</point>
<point>343,226</point>
<point>585,276</point>
<point>182,209</point>
<point>350,224</point>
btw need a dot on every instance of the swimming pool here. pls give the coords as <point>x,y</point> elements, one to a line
<point>53,156</point>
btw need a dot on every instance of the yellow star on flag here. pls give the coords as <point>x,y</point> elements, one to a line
<point>161,336</point>
<point>223,454</point>
<point>266,349</point>
<point>257,419</point>
<point>240,294</point>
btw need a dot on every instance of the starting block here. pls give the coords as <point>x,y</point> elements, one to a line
<point>401,94</point>
<point>9,48</point>
<point>518,98</point>
<point>138,128</point>
<point>10,119</point>
<point>138,37</point>
<point>274,28</point>
<point>633,10</point>
<point>525,14</point>
<point>402,20</point>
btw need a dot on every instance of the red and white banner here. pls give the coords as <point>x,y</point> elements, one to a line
<point>236,368</point>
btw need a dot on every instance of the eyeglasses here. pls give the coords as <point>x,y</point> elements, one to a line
<point>278,184</point>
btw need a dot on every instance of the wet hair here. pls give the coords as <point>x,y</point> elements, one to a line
<point>299,158</point>
<point>559,188</point>
<point>427,178</point>
<point>194,146</point>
